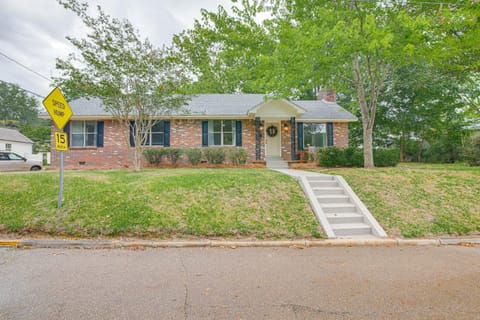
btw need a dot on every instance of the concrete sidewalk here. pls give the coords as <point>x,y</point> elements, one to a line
<point>306,243</point>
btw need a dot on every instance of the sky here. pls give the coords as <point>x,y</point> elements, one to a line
<point>33,32</point>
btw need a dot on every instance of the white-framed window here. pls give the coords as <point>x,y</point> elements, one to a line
<point>315,134</point>
<point>155,136</point>
<point>84,134</point>
<point>8,147</point>
<point>221,133</point>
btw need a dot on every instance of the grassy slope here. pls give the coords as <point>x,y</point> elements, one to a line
<point>416,200</point>
<point>160,203</point>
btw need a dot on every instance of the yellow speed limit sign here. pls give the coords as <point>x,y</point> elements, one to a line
<point>61,141</point>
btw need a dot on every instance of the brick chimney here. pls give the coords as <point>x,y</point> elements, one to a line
<point>328,95</point>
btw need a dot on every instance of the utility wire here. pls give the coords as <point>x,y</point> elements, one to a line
<point>24,66</point>
<point>31,92</point>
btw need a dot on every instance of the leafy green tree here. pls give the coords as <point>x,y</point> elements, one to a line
<point>135,80</point>
<point>17,108</point>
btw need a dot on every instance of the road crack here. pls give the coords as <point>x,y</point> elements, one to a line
<point>185,285</point>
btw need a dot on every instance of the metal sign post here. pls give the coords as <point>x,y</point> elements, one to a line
<point>60,112</point>
<point>60,192</point>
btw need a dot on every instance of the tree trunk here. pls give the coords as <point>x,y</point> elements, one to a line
<point>368,116</point>
<point>368,148</point>
<point>419,151</point>
<point>402,148</point>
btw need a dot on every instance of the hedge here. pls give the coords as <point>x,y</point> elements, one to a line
<point>353,157</point>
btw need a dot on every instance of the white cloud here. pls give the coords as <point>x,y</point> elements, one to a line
<point>33,31</point>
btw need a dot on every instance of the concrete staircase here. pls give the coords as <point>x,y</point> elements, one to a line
<point>276,163</point>
<point>338,209</point>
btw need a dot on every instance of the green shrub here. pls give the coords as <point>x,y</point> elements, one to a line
<point>173,154</point>
<point>386,157</point>
<point>472,151</point>
<point>194,155</point>
<point>331,157</point>
<point>214,155</point>
<point>237,156</point>
<point>154,155</point>
<point>353,157</point>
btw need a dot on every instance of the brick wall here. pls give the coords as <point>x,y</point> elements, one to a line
<point>117,153</point>
<point>340,134</point>
<point>286,140</point>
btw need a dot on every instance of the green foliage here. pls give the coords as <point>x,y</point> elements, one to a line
<point>386,157</point>
<point>38,134</point>
<point>16,105</point>
<point>194,155</point>
<point>472,151</point>
<point>214,155</point>
<point>353,157</point>
<point>134,79</point>
<point>237,156</point>
<point>154,155</point>
<point>173,154</point>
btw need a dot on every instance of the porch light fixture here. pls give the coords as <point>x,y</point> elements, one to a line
<point>285,127</point>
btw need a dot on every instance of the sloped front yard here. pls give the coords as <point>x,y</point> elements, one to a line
<point>416,200</point>
<point>163,203</point>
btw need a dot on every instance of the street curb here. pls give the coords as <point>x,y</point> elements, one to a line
<point>301,244</point>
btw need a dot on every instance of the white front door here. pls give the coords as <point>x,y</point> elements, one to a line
<point>273,139</point>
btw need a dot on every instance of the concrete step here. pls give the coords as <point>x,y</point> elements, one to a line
<point>333,198</point>
<point>338,207</point>
<point>320,178</point>
<point>323,184</point>
<point>351,229</point>
<point>332,190</point>
<point>344,217</point>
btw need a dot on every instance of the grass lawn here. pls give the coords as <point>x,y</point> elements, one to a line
<point>415,200</point>
<point>164,203</point>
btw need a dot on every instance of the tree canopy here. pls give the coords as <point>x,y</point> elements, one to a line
<point>357,47</point>
<point>16,106</point>
<point>137,82</point>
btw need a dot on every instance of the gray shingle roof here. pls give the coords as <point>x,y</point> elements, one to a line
<point>13,135</point>
<point>226,105</point>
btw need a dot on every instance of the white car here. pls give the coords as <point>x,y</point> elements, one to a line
<point>10,161</point>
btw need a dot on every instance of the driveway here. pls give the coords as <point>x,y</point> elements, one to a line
<point>248,283</point>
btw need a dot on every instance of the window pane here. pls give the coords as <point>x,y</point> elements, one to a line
<point>227,126</point>
<point>227,139</point>
<point>77,140</point>
<point>314,134</point>
<point>217,139</point>
<point>14,157</point>
<point>157,139</point>
<point>217,125</point>
<point>91,140</point>
<point>77,127</point>
<point>158,127</point>
<point>90,127</point>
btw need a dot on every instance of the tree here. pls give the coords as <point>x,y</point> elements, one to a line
<point>355,46</point>
<point>137,83</point>
<point>16,106</point>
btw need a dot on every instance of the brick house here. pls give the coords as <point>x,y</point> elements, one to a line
<point>264,128</point>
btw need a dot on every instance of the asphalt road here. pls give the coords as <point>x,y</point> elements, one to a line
<point>248,283</point>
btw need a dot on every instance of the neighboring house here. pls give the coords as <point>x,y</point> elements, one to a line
<point>14,141</point>
<point>277,128</point>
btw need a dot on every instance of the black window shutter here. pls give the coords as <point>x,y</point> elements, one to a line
<point>204,133</point>
<point>66,129</point>
<point>300,135</point>
<point>100,125</point>
<point>166,133</point>
<point>330,134</point>
<point>238,134</point>
<point>132,133</point>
